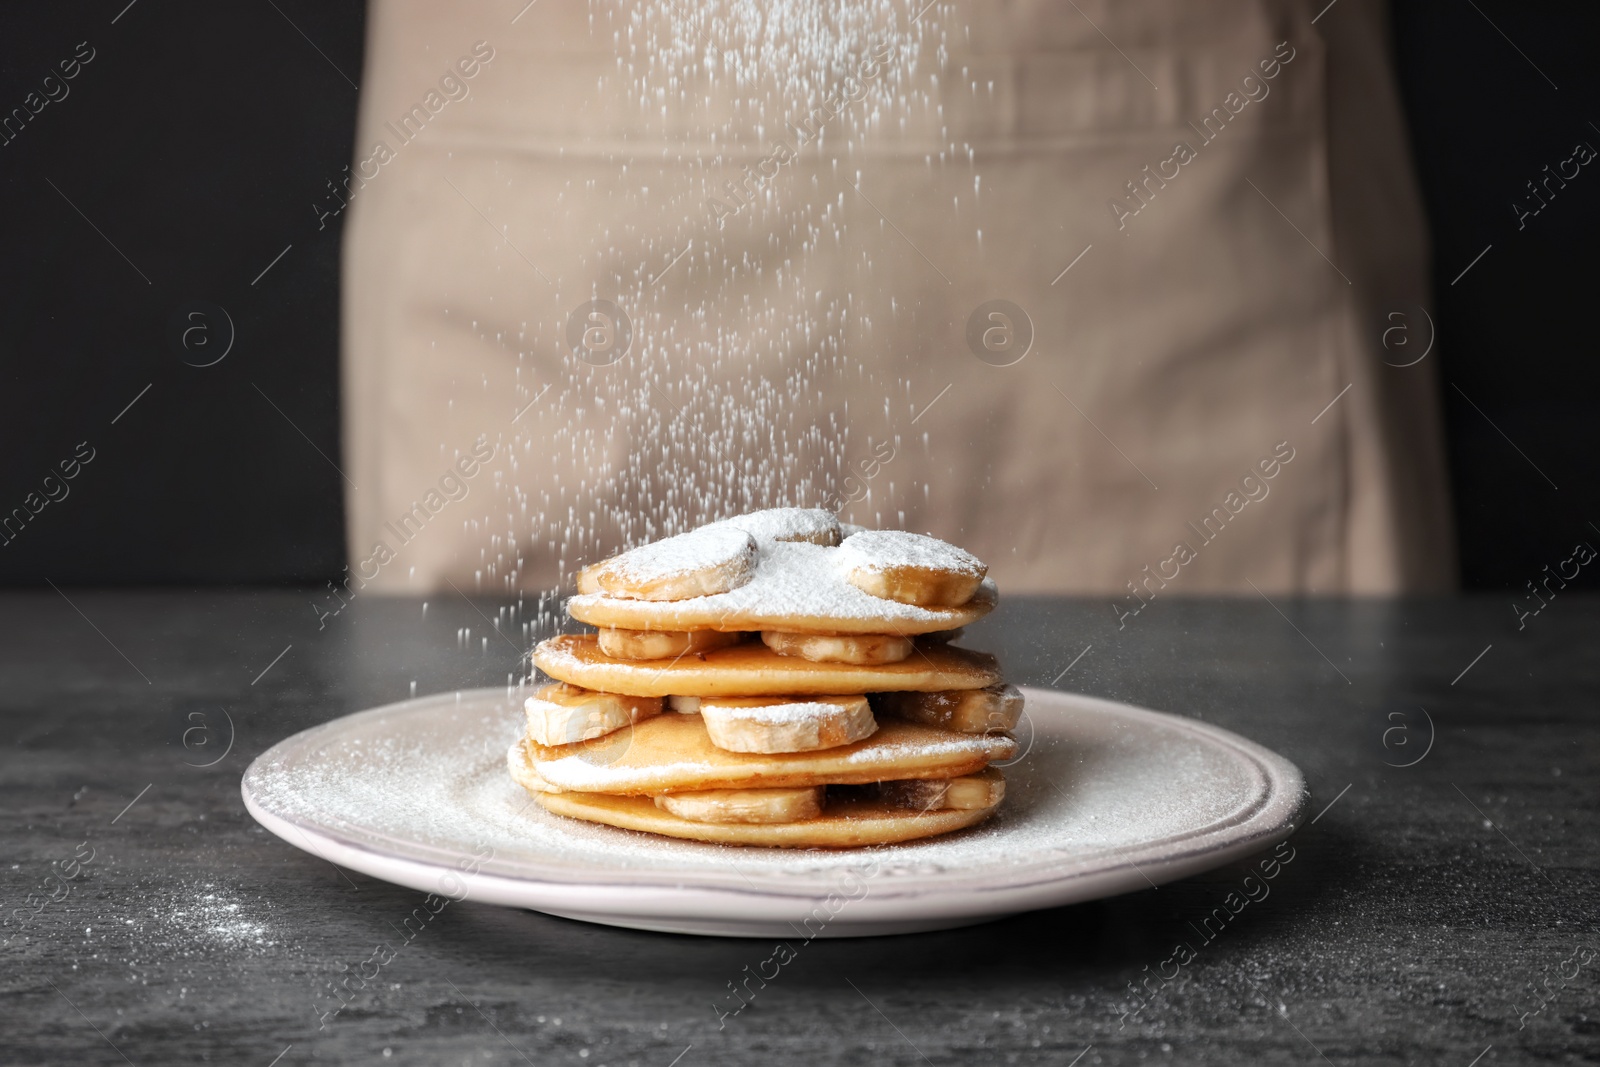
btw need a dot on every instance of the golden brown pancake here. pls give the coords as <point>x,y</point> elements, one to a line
<point>843,824</point>
<point>754,670</point>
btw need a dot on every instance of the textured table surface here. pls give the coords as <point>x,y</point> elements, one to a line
<point>1433,913</point>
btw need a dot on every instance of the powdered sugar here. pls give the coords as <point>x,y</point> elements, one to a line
<point>795,579</point>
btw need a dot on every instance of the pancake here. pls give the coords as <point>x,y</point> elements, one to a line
<point>817,700</point>
<point>754,670</point>
<point>797,587</point>
<point>844,824</point>
<point>673,753</point>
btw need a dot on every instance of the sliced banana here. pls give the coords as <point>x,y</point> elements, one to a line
<point>662,644</point>
<point>941,637</point>
<point>865,649</point>
<point>910,568</point>
<point>563,714</point>
<point>684,705</point>
<point>745,805</point>
<point>991,710</point>
<point>970,792</point>
<point>767,724</point>
<point>699,563</point>
<point>816,525</point>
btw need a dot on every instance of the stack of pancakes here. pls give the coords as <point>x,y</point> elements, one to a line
<point>774,679</point>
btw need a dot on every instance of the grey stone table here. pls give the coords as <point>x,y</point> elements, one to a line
<point>1436,912</point>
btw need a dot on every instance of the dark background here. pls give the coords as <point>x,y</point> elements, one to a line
<point>201,134</point>
<point>197,140</point>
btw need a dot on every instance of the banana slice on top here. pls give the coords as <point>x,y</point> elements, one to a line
<point>816,525</point>
<point>867,649</point>
<point>991,710</point>
<point>663,644</point>
<point>910,568</point>
<point>767,724</point>
<point>563,714</point>
<point>745,805</point>
<point>700,563</point>
<point>967,793</point>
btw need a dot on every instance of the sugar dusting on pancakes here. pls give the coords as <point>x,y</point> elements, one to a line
<point>797,578</point>
<point>816,525</point>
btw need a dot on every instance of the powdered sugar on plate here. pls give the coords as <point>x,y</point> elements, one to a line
<point>1101,785</point>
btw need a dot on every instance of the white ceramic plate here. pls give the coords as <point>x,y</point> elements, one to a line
<point>1105,799</point>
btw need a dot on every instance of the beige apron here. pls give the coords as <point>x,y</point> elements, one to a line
<point>1199,218</point>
